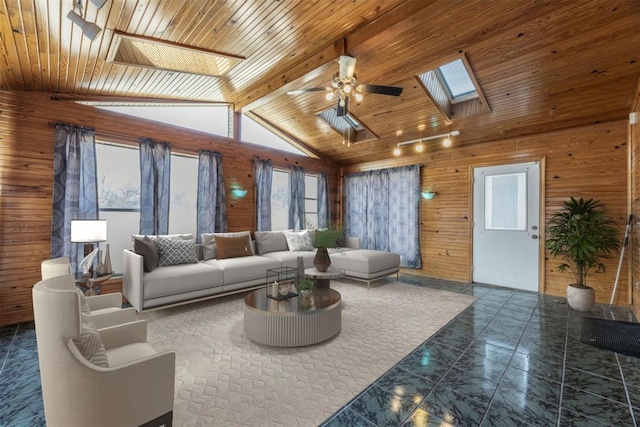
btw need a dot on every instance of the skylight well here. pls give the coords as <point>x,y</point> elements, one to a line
<point>454,89</point>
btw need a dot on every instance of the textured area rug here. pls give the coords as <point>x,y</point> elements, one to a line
<point>224,379</point>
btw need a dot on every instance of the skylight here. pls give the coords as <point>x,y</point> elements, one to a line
<point>457,81</point>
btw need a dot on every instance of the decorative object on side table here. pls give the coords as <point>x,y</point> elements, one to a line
<point>280,283</point>
<point>305,287</point>
<point>582,235</point>
<point>89,231</point>
<point>325,239</point>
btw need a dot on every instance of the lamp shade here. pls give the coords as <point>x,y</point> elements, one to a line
<point>88,230</point>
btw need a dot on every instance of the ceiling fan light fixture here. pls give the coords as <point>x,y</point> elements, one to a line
<point>358,97</point>
<point>329,96</point>
<point>341,101</point>
<point>347,88</point>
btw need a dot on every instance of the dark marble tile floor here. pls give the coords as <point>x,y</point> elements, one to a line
<point>511,359</point>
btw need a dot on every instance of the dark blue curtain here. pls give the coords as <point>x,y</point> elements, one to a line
<point>212,209</point>
<point>381,208</point>
<point>324,213</point>
<point>296,200</point>
<point>74,187</point>
<point>263,173</point>
<point>155,172</point>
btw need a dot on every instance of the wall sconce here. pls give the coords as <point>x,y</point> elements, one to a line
<point>428,195</point>
<point>238,193</point>
<point>420,146</point>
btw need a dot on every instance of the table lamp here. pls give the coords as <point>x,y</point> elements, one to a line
<point>88,231</point>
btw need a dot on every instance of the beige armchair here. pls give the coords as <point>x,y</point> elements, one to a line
<point>106,310</point>
<point>133,387</point>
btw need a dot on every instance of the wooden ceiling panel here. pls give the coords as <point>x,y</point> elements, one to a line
<point>543,65</point>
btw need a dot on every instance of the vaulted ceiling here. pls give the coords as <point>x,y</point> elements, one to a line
<point>542,65</point>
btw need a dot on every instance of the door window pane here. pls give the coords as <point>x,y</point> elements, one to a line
<point>505,202</point>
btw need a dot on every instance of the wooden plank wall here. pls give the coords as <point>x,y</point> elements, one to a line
<point>634,138</point>
<point>26,176</point>
<point>584,162</point>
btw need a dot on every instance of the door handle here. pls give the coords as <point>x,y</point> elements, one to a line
<point>534,237</point>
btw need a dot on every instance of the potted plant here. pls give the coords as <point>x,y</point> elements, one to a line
<point>305,287</point>
<point>583,236</point>
<point>325,239</point>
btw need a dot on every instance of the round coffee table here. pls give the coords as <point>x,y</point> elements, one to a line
<point>322,279</point>
<point>293,322</point>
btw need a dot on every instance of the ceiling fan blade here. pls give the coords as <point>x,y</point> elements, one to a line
<point>341,111</point>
<point>382,90</point>
<point>347,67</point>
<point>309,89</point>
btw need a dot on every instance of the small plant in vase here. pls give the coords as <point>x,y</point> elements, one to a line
<point>305,287</point>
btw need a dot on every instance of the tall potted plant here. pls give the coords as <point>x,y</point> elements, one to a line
<point>583,236</point>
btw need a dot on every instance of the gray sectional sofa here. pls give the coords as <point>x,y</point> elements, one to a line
<point>212,276</point>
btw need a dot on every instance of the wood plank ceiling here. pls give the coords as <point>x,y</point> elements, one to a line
<point>542,65</point>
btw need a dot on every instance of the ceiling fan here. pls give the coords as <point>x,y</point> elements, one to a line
<point>345,85</point>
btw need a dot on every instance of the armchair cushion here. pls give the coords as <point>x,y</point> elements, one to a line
<point>129,353</point>
<point>90,345</point>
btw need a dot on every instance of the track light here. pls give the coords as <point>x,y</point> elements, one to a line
<point>98,3</point>
<point>420,145</point>
<point>89,29</point>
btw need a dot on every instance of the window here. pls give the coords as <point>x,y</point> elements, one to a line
<point>255,133</point>
<point>505,202</point>
<point>118,169</point>
<point>280,197</point>
<point>209,118</point>
<point>118,173</point>
<point>457,81</point>
<point>184,195</point>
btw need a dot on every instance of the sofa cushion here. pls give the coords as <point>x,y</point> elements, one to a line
<point>233,247</point>
<point>299,240</point>
<point>290,259</point>
<point>176,279</point>
<point>176,251</point>
<point>270,241</point>
<point>243,269</point>
<point>90,345</point>
<point>147,248</point>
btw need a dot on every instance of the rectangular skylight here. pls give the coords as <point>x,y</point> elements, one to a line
<point>456,80</point>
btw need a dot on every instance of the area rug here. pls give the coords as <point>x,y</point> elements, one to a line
<point>224,379</point>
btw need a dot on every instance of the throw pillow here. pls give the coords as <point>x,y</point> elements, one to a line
<point>149,251</point>
<point>84,306</point>
<point>209,249</point>
<point>233,247</point>
<point>270,241</point>
<point>90,345</point>
<point>186,236</point>
<point>298,240</point>
<point>176,251</point>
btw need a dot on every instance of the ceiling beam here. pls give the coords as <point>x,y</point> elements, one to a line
<point>309,68</point>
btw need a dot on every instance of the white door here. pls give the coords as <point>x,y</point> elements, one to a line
<point>506,214</point>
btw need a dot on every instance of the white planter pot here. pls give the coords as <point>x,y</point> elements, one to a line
<point>581,299</point>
